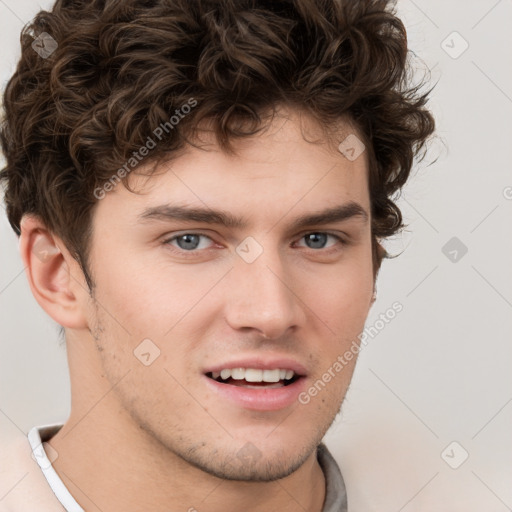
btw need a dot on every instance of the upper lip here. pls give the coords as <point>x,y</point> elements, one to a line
<point>260,363</point>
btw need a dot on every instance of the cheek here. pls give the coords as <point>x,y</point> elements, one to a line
<point>340,296</point>
<point>164,305</point>
<point>339,309</point>
<point>148,298</point>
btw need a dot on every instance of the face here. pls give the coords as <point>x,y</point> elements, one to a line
<point>196,312</point>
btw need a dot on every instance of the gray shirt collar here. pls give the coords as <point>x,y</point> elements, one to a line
<point>335,492</point>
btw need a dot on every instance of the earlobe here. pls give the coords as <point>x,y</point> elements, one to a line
<point>48,269</point>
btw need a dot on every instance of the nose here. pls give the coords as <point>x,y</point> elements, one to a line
<point>261,296</point>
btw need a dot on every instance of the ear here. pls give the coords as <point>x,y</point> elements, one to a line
<point>54,276</point>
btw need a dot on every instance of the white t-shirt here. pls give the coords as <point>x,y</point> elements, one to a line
<point>335,496</point>
<point>36,437</point>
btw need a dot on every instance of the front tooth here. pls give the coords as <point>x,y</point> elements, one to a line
<point>225,374</point>
<point>252,375</point>
<point>282,374</point>
<point>271,375</point>
<point>237,373</point>
<point>289,374</point>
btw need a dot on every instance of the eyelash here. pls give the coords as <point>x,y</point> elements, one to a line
<point>194,252</point>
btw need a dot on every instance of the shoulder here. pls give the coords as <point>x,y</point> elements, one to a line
<point>23,487</point>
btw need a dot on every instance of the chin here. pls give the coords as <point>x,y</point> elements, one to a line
<point>251,465</point>
<point>260,457</point>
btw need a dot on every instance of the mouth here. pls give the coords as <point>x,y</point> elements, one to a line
<point>255,378</point>
<point>257,385</point>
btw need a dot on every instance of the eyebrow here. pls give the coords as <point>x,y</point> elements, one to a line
<point>167,212</point>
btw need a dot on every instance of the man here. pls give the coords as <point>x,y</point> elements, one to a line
<point>200,190</point>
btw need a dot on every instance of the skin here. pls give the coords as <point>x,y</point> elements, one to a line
<point>143,437</point>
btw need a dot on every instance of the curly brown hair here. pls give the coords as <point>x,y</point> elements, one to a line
<point>120,69</point>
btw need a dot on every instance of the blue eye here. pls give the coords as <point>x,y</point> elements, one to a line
<point>318,239</point>
<point>191,242</point>
<point>187,241</point>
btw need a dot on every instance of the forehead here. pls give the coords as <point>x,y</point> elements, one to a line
<point>290,165</point>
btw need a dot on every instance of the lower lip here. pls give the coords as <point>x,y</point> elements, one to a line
<point>259,399</point>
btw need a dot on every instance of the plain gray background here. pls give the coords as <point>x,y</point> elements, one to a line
<point>439,373</point>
